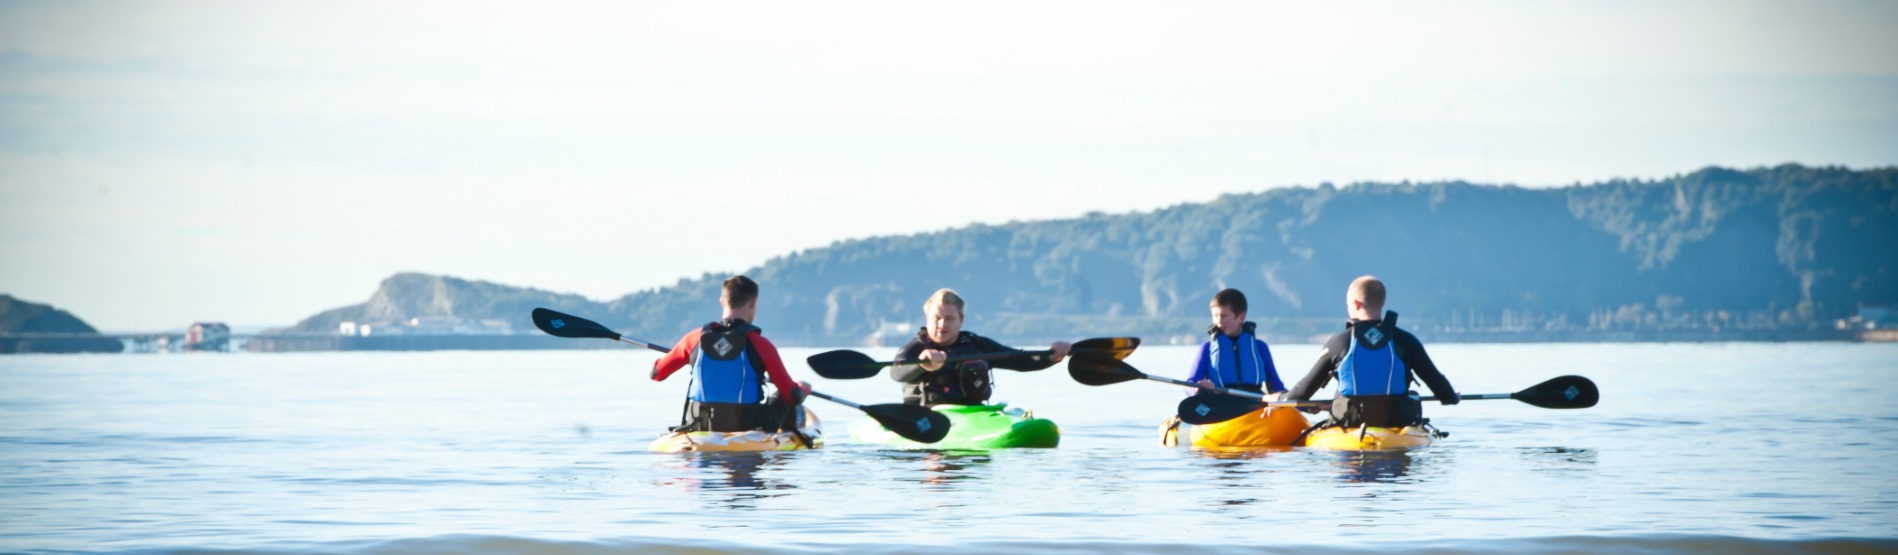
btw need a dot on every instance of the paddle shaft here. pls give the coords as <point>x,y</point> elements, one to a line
<point>822,395</point>
<point>1220,390</point>
<point>644,344</point>
<point>1320,403</point>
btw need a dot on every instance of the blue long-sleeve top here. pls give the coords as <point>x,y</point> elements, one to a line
<point>1244,378</point>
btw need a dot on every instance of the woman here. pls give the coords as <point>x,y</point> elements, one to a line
<point>929,378</point>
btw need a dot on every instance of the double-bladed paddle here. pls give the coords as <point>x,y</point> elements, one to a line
<point>912,422</point>
<point>1097,370</point>
<point>845,364</point>
<point>1562,392</point>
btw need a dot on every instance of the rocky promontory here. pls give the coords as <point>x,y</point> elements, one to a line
<point>27,327</point>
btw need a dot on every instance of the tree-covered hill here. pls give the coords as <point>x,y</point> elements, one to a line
<point>30,327</point>
<point>1789,246</point>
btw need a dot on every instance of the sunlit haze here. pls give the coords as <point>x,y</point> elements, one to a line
<point>257,162</point>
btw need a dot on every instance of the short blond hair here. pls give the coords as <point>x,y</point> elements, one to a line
<point>941,297</point>
<point>1368,289</point>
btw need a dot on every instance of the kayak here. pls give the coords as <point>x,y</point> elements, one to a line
<point>1366,438</point>
<point>971,427</point>
<point>1266,427</point>
<point>753,440</point>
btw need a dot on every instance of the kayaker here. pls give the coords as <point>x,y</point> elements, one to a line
<point>1232,356</point>
<point>933,381</point>
<point>1374,363</point>
<point>730,362</point>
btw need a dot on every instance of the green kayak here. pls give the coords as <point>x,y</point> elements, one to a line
<point>971,427</point>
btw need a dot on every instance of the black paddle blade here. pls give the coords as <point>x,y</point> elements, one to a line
<point>1117,347</point>
<point>1564,392</point>
<point>914,423</point>
<point>567,325</point>
<point>1101,370</point>
<point>844,364</point>
<point>1206,408</point>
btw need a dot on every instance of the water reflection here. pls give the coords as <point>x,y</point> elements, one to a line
<point>1236,473</point>
<point>949,467</point>
<point>737,475</point>
<point>1560,459</point>
<point>1373,466</point>
<point>1236,453</point>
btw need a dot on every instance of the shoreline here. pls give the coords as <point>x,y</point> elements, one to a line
<point>286,343</point>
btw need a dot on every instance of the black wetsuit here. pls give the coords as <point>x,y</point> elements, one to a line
<point>957,383</point>
<point>1409,350</point>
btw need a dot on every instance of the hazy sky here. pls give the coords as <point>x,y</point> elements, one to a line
<point>258,162</point>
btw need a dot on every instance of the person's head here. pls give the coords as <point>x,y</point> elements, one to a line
<point>1229,311</point>
<point>942,314</point>
<point>1365,299</point>
<point>740,298</point>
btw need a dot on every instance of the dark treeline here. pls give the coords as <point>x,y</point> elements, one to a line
<point>1790,247</point>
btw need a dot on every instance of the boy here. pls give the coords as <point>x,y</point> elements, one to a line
<point>1232,357</point>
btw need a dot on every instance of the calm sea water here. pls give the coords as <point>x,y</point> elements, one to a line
<point>1694,448</point>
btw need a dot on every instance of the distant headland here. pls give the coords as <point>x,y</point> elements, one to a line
<point>27,327</point>
<point>1783,253</point>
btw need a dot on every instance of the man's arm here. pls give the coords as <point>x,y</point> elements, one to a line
<point>678,357</point>
<point>911,372</point>
<point>1412,351</point>
<point>1018,362</point>
<point>788,390</point>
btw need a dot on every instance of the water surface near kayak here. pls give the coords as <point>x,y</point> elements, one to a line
<point>1747,448</point>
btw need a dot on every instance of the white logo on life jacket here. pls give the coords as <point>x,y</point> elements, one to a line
<point>723,346</point>
<point>1373,335</point>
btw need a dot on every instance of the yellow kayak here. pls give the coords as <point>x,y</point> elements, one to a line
<point>754,440</point>
<point>1266,427</point>
<point>1365,438</point>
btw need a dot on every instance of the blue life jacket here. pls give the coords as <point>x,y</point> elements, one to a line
<point>1371,365</point>
<point>1243,370</point>
<point>722,370</point>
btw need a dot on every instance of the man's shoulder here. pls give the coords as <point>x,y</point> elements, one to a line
<point>755,337</point>
<point>917,342</point>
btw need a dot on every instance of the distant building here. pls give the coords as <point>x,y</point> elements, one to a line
<point>427,325</point>
<point>434,325</point>
<point>208,336</point>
